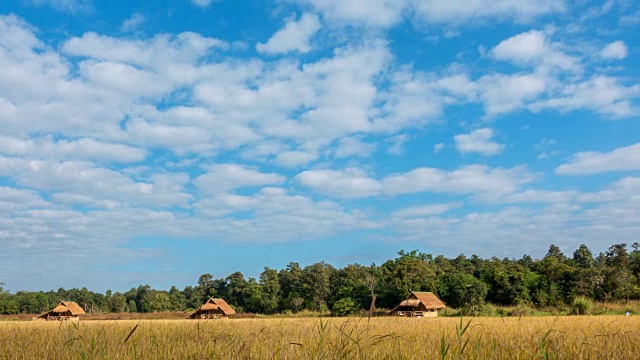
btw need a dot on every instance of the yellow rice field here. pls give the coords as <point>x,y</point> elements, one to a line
<point>575,337</point>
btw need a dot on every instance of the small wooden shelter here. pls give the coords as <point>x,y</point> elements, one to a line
<point>66,310</point>
<point>213,309</point>
<point>419,304</point>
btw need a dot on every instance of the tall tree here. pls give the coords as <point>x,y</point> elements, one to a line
<point>271,294</point>
<point>290,280</point>
<point>316,284</point>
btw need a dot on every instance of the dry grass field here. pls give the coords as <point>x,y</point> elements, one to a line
<point>571,337</point>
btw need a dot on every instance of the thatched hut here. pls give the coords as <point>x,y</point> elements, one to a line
<point>66,310</point>
<point>213,309</point>
<point>419,304</point>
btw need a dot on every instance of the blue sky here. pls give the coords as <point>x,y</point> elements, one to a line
<point>153,143</point>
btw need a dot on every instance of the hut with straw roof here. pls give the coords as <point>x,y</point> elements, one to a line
<point>66,310</point>
<point>213,309</point>
<point>419,304</point>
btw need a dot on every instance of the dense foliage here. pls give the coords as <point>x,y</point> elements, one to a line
<point>461,282</point>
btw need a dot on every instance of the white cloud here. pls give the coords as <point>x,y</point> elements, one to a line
<point>592,162</point>
<point>539,196</point>
<point>601,94</point>
<point>506,93</point>
<point>626,189</point>
<point>353,146</point>
<point>437,147</point>
<point>413,99</point>
<point>631,19</point>
<point>470,179</point>
<point>386,13</point>
<point>294,36</point>
<point>465,180</point>
<point>202,3</point>
<point>81,149</point>
<point>157,53</point>
<point>480,141</point>
<point>397,144</point>
<point>511,230</point>
<point>12,200</point>
<point>440,11</point>
<point>275,216</point>
<point>84,178</point>
<point>73,6</point>
<point>89,160</point>
<point>616,50</point>
<point>533,48</point>
<point>179,138</point>
<point>375,12</point>
<point>524,47</point>
<point>347,184</point>
<point>425,210</point>
<point>133,22</point>
<point>227,177</point>
<point>291,159</point>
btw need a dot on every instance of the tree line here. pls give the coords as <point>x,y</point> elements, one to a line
<point>461,282</point>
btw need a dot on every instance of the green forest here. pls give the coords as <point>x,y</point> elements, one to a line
<point>462,282</point>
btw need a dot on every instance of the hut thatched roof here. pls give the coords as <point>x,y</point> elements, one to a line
<point>410,302</point>
<point>226,308</point>
<point>209,306</point>
<point>214,304</point>
<point>66,307</point>
<point>69,306</point>
<point>428,299</point>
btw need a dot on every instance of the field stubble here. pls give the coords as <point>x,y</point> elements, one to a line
<point>576,337</point>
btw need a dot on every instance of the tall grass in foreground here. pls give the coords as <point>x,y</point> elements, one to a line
<point>576,337</point>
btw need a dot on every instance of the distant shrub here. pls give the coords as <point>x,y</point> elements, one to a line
<point>344,307</point>
<point>486,310</point>
<point>521,310</point>
<point>581,305</point>
<point>449,312</point>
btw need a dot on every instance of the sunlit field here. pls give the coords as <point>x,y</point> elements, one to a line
<point>575,337</point>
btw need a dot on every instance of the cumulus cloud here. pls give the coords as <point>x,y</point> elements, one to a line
<point>294,36</point>
<point>133,22</point>
<point>73,6</point>
<point>413,99</point>
<point>506,93</point>
<point>625,158</point>
<point>353,146</point>
<point>347,184</point>
<point>378,13</point>
<point>459,11</point>
<point>602,94</point>
<point>46,147</point>
<point>465,180</point>
<point>425,210</point>
<point>161,50</point>
<point>227,177</point>
<point>470,179</point>
<point>386,13</point>
<point>127,131</point>
<point>616,50</point>
<point>539,196</point>
<point>480,141</point>
<point>626,189</point>
<point>292,159</point>
<point>533,48</point>
<point>99,183</point>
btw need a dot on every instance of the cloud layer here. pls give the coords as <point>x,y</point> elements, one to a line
<point>391,123</point>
